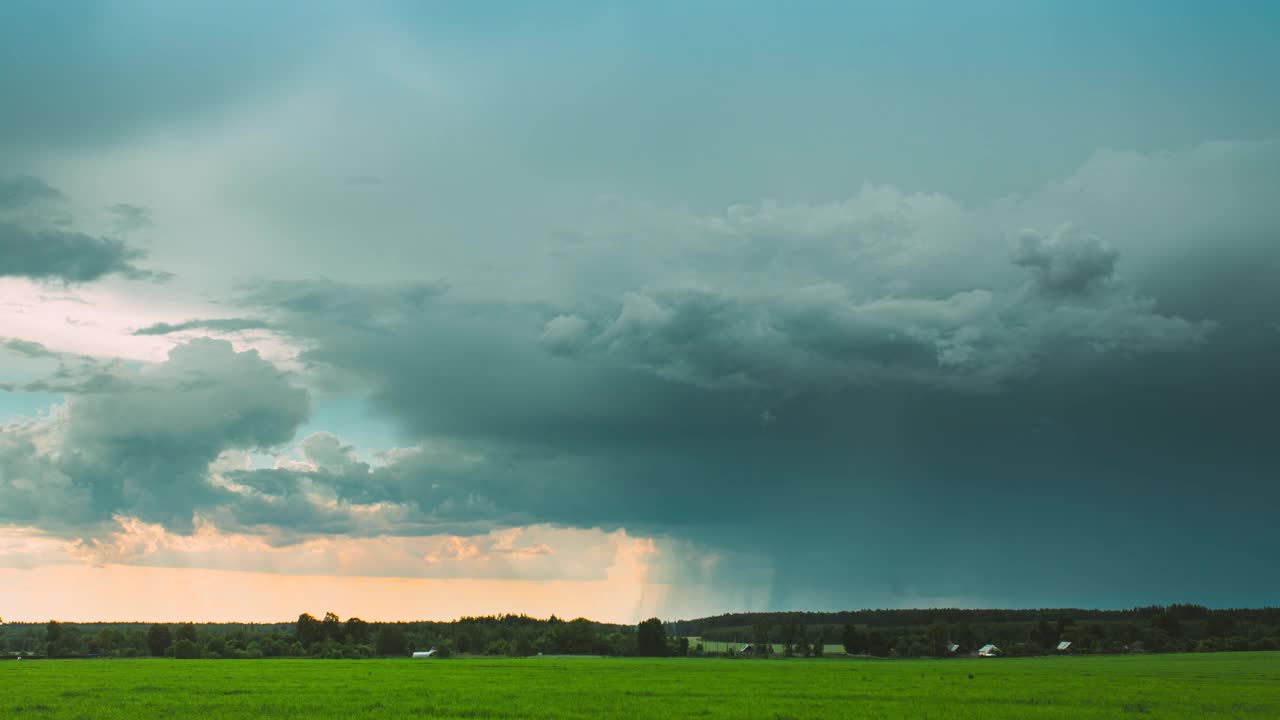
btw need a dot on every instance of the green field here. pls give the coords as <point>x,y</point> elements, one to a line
<point>1227,685</point>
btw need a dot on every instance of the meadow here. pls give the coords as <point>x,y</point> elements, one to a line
<point>1226,685</point>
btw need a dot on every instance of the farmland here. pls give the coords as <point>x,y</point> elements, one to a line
<point>1235,685</point>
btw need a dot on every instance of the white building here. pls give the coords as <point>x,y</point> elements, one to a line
<point>988,650</point>
<point>1062,646</point>
<point>425,653</point>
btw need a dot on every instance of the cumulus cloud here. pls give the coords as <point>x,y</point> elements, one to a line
<point>1066,262</point>
<point>563,334</point>
<point>142,443</point>
<point>34,490</point>
<point>827,335</point>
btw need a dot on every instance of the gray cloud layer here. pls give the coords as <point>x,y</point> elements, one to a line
<point>931,386</point>
<point>35,243</point>
<point>1001,392</point>
<point>68,256</point>
<point>892,367</point>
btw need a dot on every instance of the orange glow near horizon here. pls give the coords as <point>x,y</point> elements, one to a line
<point>83,593</point>
<point>146,574</point>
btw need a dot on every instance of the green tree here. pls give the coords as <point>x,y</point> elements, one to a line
<point>1043,635</point>
<point>1219,624</point>
<point>309,630</point>
<point>159,639</point>
<point>854,642</point>
<point>357,631</point>
<point>802,641</point>
<point>523,646</point>
<point>391,641</point>
<point>332,627</point>
<point>186,631</point>
<point>651,638</point>
<point>107,640</point>
<point>679,647</point>
<point>877,644</point>
<point>760,639</point>
<point>1168,624</point>
<point>789,633</point>
<point>216,646</point>
<point>53,638</point>
<point>962,635</point>
<point>939,637</point>
<point>185,649</point>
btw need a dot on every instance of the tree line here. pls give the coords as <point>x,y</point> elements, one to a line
<point>332,637</point>
<point>880,633</point>
<point>950,631</point>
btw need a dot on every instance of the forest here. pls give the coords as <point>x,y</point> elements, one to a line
<point>880,633</point>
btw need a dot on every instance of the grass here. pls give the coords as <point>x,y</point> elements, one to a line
<point>1228,685</point>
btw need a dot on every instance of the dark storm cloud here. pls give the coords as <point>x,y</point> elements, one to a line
<point>918,424</point>
<point>893,394</point>
<point>216,324</point>
<point>898,477</point>
<point>888,398</point>
<point>823,336</point>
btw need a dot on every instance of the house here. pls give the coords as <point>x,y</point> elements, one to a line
<point>1062,646</point>
<point>424,653</point>
<point>988,650</point>
<point>952,647</point>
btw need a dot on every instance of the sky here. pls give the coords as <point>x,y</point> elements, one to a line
<point>416,310</point>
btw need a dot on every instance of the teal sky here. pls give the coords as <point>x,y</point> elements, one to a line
<point>804,305</point>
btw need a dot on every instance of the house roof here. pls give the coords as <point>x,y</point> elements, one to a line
<point>1064,644</point>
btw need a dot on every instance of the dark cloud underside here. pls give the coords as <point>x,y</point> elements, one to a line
<point>217,325</point>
